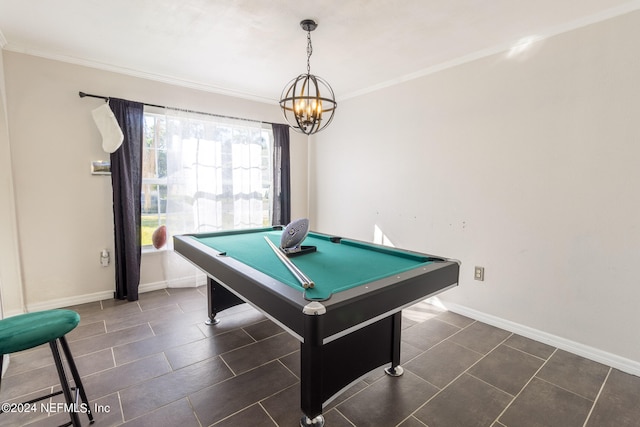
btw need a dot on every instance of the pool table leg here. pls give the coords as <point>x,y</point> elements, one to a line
<point>211,313</point>
<point>395,370</point>
<point>311,372</point>
<point>218,299</point>
<point>308,422</point>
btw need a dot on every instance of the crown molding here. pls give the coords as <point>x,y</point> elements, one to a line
<point>629,7</point>
<point>205,87</point>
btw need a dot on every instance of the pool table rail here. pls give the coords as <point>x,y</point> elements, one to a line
<point>277,300</point>
<point>284,304</point>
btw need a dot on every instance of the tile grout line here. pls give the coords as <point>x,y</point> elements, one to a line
<point>523,387</point>
<point>597,397</point>
<point>408,417</point>
<point>463,372</point>
<point>229,367</point>
<point>415,357</point>
<point>489,384</point>
<point>121,409</point>
<point>344,416</point>
<point>266,412</point>
<point>285,366</point>
<point>195,414</point>
<point>113,357</point>
<point>526,352</point>
<point>565,389</point>
<point>259,403</point>
<point>439,342</point>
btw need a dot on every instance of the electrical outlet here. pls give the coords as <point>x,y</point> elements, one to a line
<point>478,273</point>
<point>105,258</point>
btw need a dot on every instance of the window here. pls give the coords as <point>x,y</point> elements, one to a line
<point>154,176</point>
<point>204,173</point>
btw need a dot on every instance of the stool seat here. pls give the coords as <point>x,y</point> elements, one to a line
<point>26,331</point>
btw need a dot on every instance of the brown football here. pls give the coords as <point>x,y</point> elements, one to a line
<point>159,237</point>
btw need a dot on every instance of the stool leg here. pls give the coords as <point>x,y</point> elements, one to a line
<point>76,376</point>
<point>75,420</point>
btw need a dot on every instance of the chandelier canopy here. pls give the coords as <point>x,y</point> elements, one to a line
<point>307,101</point>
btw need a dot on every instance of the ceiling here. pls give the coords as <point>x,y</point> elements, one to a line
<point>252,48</point>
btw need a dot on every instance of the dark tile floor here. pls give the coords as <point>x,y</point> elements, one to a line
<point>155,363</point>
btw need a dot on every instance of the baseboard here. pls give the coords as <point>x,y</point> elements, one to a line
<point>623,364</point>
<point>185,282</point>
<point>69,301</point>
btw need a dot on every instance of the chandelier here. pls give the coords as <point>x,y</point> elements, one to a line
<point>308,102</point>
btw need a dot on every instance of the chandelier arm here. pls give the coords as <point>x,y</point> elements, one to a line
<point>296,115</point>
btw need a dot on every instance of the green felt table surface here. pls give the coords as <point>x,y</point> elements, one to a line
<point>334,267</point>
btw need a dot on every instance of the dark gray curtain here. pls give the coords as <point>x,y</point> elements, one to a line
<point>126,179</point>
<point>281,175</point>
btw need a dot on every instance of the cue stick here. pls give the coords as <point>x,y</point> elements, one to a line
<point>302,278</point>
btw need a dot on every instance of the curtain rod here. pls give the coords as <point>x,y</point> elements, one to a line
<point>106,98</point>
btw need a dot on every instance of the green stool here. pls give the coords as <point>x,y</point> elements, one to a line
<point>30,330</point>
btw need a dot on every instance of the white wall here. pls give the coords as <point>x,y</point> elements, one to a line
<point>11,293</point>
<point>64,213</point>
<point>528,166</point>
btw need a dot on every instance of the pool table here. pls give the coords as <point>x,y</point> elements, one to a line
<point>348,324</point>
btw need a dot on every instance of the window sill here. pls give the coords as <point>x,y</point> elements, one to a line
<point>151,250</point>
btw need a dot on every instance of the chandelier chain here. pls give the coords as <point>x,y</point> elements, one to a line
<point>309,51</point>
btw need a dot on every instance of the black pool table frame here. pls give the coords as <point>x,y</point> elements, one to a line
<point>343,338</point>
